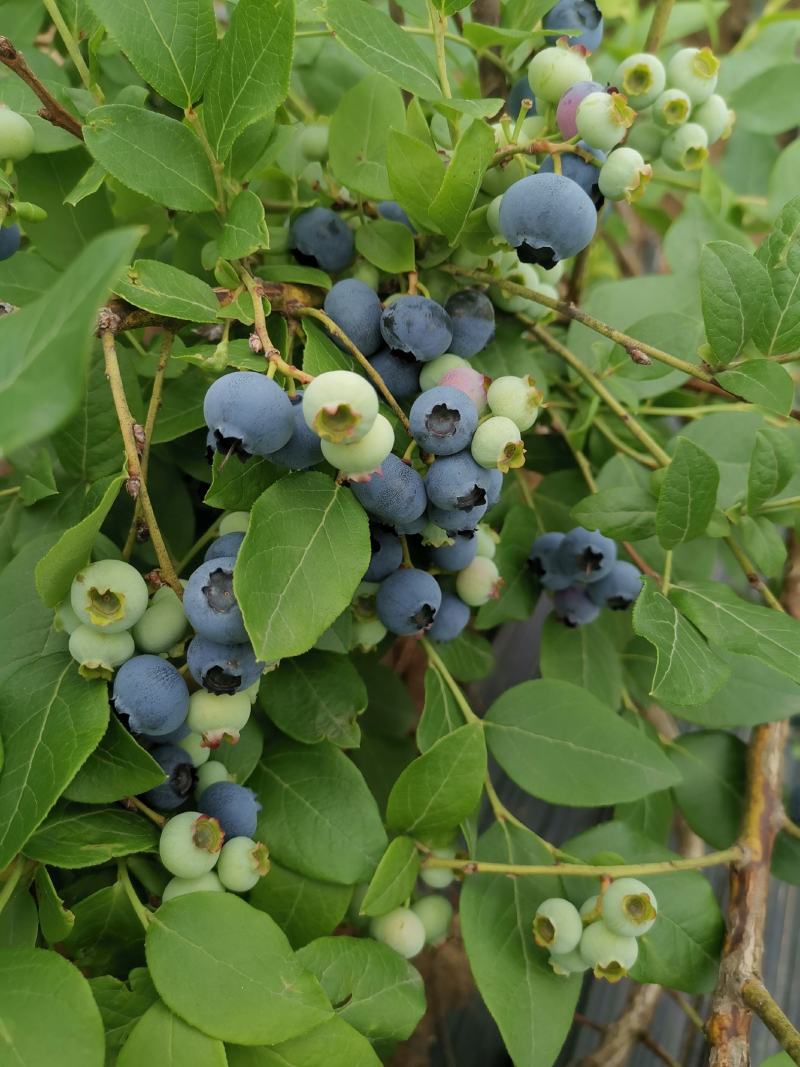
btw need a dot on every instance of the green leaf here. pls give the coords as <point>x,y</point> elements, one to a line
<point>117,768</point>
<point>161,1037</point>
<point>727,620</point>
<point>394,879</point>
<point>242,758</point>
<point>462,180</point>
<point>334,1044</point>
<point>319,817</point>
<point>121,1005</point>
<point>416,173</point>
<point>26,625</point>
<point>50,720</point>
<point>770,102</point>
<point>71,1033</point>
<point>681,950</point>
<point>468,658</point>
<point>771,466</point>
<point>237,486</point>
<point>321,354</point>
<point>30,277</point>
<point>250,75</point>
<point>245,229</point>
<point>623,512</point>
<point>75,836</point>
<point>293,273</point>
<point>768,384</point>
<point>559,743</point>
<point>359,132</point>
<point>19,922</point>
<point>518,594</point>
<point>586,656</point>
<point>47,343</point>
<point>56,920</point>
<point>316,697</point>
<point>442,786</point>
<point>687,670</point>
<point>711,792</point>
<point>171,43</point>
<point>152,154</point>
<point>532,1007</point>
<point>303,907</point>
<point>290,597</point>
<point>213,949</point>
<point>381,994</point>
<point>107,936</point>
<point>383,45</point>
<point>167,291</point>
<point>89,182</point>
<point>780,253</point>
<point>388,245</point>
<point>688,495</point>
<point>55,571</point>
<point>733,288</point>
<point>440,714</point>
<point>763,544</point>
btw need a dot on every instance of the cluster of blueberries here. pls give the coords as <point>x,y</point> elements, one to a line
<point>602,935</point>
<point>581,570</point>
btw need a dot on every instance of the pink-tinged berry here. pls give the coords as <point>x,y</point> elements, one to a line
<point>479,583</point>
<point>469,381</point>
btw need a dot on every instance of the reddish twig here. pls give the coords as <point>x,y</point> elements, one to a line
<point>52,111</point>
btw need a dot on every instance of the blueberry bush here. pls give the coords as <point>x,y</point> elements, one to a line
<point>336,337</point>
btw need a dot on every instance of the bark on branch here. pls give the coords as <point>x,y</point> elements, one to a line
<point>52,111</point>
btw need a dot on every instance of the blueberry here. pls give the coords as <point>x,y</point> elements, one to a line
<point>210,604</point>
<point>457,556</point>
<point>624,175</point>
<point>557,925</point>
<point>356,309</point>
<point>454,521</point>
<point>108,596</point>
<point>458,482</point>
<point>629,907</point>
<point>417,325</point>
<point>573,606</point>
<point>686,148</point>
<point>432,373</point>
<point>436,915</point>
<point>586,555</point>
<point>479,582</point>
<point>407,601</point>
<point>443,420</point>
<point>620,587</point>
<point>402,930</point>
<point>226,546</point>
<point>395,495</point>
<point>163,624</point>
<point>248,414</point>
<point>178,767</point>
<point>190,844</point>
<point>10,240</point>
<point>222,668</point>
<point>603,119</point>
<point>99,654</point>
<point>497,444</point>
<point>583,15</point>
<point>642,78</point>
<point>695,70</point>
<point>302,450</point>
<point>472,319</point>
<point>516,398</point>
<point>233,806</point>
<point>715,117</point>
<point>547,217</point>
<point>400,372</point>
<point>319,238</point>
<point>217,717</point>
<point>520,90</point>
<point>387,554</point>
<point>416,526</point>
<point>390,209</point>
<point>609,955</point>
<point>210,772</point>
<point>152,694</point>
<point>672,108</point>
<point>568,105</point>
<point>543,562</point>
<point>203,883</point>
<point>584,174</point>
<point>364,457</point>
<point>554,70</point>
<point>241,863</point>
<point>567,963</point>
<point>234,522</point>
<point>340,406</point>
<point>451,618</point>
<point>16,135</point>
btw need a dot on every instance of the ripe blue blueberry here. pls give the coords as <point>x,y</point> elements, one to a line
<point>319,238</point>
<point>414,527</point>
<point>458,555</point>
<point>520,90</point>
<point>10,240</point>
<point>387,553</point>
<point>394,495</point>
<point>557,925</point>
<point>583,15</point>
<point>458,482</point>
<point>210,604</point>
<point>400,372</point>
<point>453,520</point>
<point>390,209</point>
<point>233,806</point>
<point>568,105</point>
<point>190,844</point>
<point>586,555</point>
<point>152,694</point>
<point>356,309</point>
<point>543,562</point>
<point>472,319</point>
<point>407,601</point>
<point>417,325</point>
<point>302,450</point>
<point>179,769</point>
<point>584,174</point>
<point>443,420</point>
<point>451,618</point>
<point>248,414</point>
<point>573,606</point>
<point>224,547</point>
<point>109,596</point>
<point>241,863</point>
<point>222,668</point>
<point>619,588</point>
<point>547,217</point>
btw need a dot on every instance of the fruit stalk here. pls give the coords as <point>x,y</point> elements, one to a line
<point>724,856</point>
<point>758,998</point>
<point>658,25</point>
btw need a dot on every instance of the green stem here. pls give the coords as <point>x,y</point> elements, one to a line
<point>10,491</point>
<point>134,802</point>
<point>658,25</point>
<point>758,998</point>
<point>142,914</point>
<point>201,542</point>
<point>752,575</point>
<point>439,27</point>
<point>216,167</point>
<point>438,663</point>
<point>72,48</point>
<point>10,884</point>
<point>602,426</point>
<point>772,505</point>
<point>665,580</point>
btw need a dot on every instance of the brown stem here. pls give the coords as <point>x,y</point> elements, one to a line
<point>621,1036</point>
<point>758,999</point>
<point>52,111</point>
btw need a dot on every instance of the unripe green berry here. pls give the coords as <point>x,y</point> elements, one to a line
<point>629,907</point>
<point>218,715</point>
<point>401,930</point>
<point>436,915</point>
<point>715,117</point>
<point>566,963</point>
<point>252,690</point>
<point>641,77</point>
<point>162,625</point>
<point>497,443</point>
<point>624,175</point>
<point>487,541</point>
<point>194,748</point>
<point>99,654</point>
<point>241,863</point>
<point>208,774</point>
<point>433,372</point>
<point>368,633</point>
<point>234,522</point>
<point>109,596</point>
<point>496,180</point>
<point>671,109</point>
<point>493,216</point>
<point>609,955</point>
<point>439,877</point>
<point>204,883</point>
<point>366,273</point>
<point>515,398</point>
<point>589,910</point>
<point>479,582</point>
<point>340,406</point>
<point>557,925</point>
<point>190,844</point>
<point>553,275</point>
<point>313,142</point>
<point>646,138</point>
<point>603,119</point>
<point>364,456</point>
<point>554,70</point>
<point>686,148</point>
<point>694,70</point>
<point>16,135</point>
<point>65,620</point>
